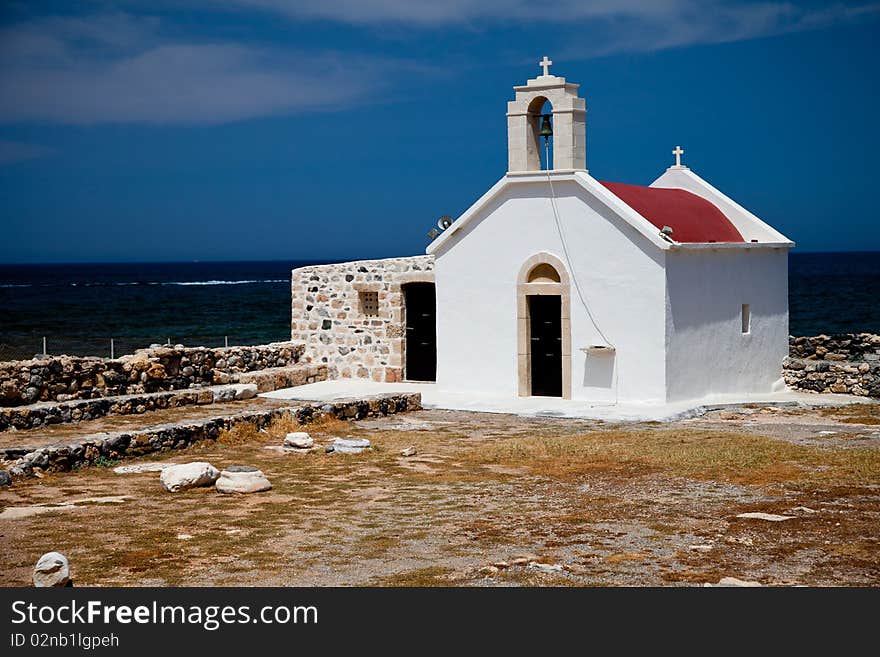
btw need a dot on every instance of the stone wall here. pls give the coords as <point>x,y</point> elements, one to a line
<point>847,363</point>
<point>63,378</point>
<point>80,410</point>
<point>331,313</point>
<point>28,461</point>
<point>840,346</point>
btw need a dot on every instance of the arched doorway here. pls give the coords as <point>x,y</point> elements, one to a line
<point>544,328</point>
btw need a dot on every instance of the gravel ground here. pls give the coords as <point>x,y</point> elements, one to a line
<point>488,500</point>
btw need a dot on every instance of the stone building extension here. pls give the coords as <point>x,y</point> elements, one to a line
<point>351,316</point>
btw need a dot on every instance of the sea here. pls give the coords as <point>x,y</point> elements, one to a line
<point>80,308</point>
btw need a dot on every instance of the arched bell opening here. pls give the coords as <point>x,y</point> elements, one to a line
<point>540,133</point>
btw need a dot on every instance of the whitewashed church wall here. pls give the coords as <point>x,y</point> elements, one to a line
<point>620,274</point>
<point>708,352</point>
<point>339,325</point>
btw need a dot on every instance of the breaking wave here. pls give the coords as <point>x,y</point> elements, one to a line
<point>265,280</point>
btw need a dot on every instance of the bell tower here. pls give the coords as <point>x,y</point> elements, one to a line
<point>524,123</point>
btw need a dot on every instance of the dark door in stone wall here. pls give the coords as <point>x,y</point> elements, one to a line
<point>421,331</point>
<point>545,344</point>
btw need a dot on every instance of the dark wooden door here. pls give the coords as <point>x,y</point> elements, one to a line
<point>545,332</point>
<point>421,331</point>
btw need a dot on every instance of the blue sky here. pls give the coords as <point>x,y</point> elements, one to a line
<point>265,129</point>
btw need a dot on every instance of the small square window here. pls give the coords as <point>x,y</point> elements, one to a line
<point>369,303</point>
<point>746,319</point>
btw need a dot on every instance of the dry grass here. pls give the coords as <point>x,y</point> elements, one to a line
<point>616,504</point>
<point>242,433</point>
<point>862,419</point>
<point>247,432</point>
<point>432,576</point>
<point>698,454</point>
<point>321,424</point>
<point>868,414</point>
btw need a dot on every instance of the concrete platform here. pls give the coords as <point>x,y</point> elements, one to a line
<point>552,406</point>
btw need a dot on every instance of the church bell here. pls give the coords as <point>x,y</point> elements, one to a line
<point>546,128</point>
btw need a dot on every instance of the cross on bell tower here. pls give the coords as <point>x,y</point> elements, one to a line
<point>524,122</point>
<point>546,64</point>
<point>678,152</point>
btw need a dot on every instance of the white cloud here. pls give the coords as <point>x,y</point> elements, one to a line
<point>721,22</point>
<point>445,12</point>
<point>608,26</point>
<point>119,69</point>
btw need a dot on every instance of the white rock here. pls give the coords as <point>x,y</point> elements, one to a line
<point>176,478</point>
<point>184,537</point>
<point>772,517</point>
<point>224,394</point>
<point>245,390</point>
<point>140,467</point>
<point>52,569</point>
<point>804,509</point>
<point>545,567</point>
<point>409,451</point>
<point>701,548</point>
<point>349,445</point>
<point>299,440</point>
<point>733,581</point>
<point>22,512</point>
<point>103,499</point>
<point>253,481</point>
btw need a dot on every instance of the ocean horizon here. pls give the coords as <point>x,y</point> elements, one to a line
<point>79,307</point>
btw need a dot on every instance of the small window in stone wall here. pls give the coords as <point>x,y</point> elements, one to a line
<point>369,303</point>
<point>746,317</point>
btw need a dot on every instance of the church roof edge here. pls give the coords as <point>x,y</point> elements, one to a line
<point>616,204</point>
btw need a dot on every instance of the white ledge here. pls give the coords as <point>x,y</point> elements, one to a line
<point>693,246</point>
<point>541,174</point>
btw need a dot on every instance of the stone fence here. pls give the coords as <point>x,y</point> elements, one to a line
<point>65,378</point>
<point>839,347</point>
<point>845,363</point>
<point>89,450</point>
<point>80,410</point>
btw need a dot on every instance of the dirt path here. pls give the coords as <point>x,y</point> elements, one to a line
<point>488,500</point>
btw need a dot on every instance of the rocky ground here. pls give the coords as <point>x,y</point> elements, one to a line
<point>487,500</point>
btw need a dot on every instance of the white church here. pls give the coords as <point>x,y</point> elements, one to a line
<point>556,284</point>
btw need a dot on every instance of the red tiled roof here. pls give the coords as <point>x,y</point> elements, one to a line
<point>692,219</point>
